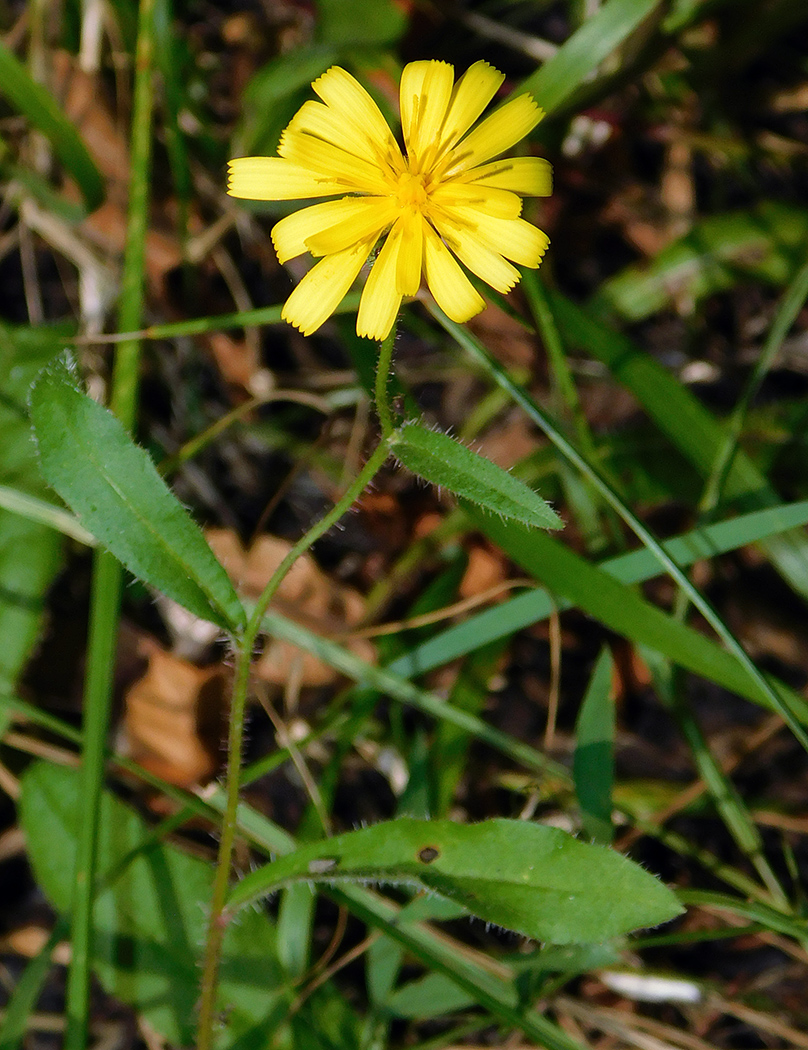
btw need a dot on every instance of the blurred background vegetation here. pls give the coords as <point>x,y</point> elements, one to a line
<point>665,340</point>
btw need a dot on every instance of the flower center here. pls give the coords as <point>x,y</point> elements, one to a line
<point>410,190</point>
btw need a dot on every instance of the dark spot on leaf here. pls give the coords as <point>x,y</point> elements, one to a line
<point>428,854</point>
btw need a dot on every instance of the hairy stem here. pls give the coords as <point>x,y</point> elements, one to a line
<point>383,368</point>
<point>245,645</point>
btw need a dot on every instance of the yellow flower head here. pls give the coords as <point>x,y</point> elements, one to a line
<point>445,198</point>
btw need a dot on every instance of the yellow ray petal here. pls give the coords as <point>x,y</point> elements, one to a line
<point>477,256</point>
<point>345,130</point>
<point>276,179</point>
<point>368,217</point>
<point>516,239</point>
<point>453,291</point>
<point>472,93</point>
<point>291,234</point>
<point>530,176</point>
<point>352,172</point>
<point>315,118</point>
<point>381,299</point>
<point>426,88</point>
<point>490,201</point>
<point>410,255</point>
<point>323,288</point>
<point>338,89</point>
<point>499,132</point>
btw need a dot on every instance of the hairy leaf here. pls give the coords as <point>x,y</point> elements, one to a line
<point>115,491</point>
<point>527,877</point>
<point>445,462</point>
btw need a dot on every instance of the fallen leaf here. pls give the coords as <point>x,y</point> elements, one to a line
<point>174,719</point>
<point>486,569</point>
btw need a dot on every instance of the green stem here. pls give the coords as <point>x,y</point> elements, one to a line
<point>382,381</point>
<point>105,597</point>
<point>218,919</point>
<point>106,589</point>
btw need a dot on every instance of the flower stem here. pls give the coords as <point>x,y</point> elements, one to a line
<point>218,918</point>
<point>382,381</point>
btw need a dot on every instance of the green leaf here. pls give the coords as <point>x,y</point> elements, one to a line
<point>115,491</point>
<point>150,913</point>
<point>582,53</point>
<point>494,992</point>
<point>527,877</point>
<point>30,552</point>
<point>445,462</point>
<point>40,108</point>
<point>593,762</point>
<point>434,995</point>
<point>764,243</point>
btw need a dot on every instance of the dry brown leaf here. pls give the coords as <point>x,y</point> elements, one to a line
<point>306,595</point>
<point>383,519</point>
<point>27,941</point>
<point>85,106</point>
<point>426,523</point>
<point>486,568</point>
<point>174,719</point>
<point>235,358</point>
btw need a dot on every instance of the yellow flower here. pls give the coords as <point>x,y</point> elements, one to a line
<point>445,198</point>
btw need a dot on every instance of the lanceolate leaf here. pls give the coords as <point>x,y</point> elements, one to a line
<point>445,462</point>
<point>527,877</point>
<point>115,491</point>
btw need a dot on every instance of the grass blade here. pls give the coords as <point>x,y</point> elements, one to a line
<point>593,761</point>
<point>107,573</point>
<point>582,53</point>
<point>762,688</point>
<point>635,567</point>
<point>41,110</point>
<point>687,424</point>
